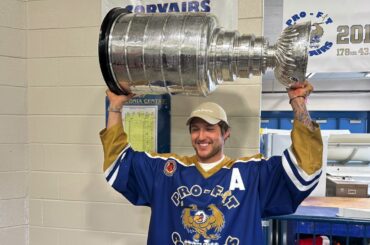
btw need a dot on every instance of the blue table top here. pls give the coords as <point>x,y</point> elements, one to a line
<point>312,213</point>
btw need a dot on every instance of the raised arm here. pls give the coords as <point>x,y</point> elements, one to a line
<point>301,163</point>
<point>129,172</point>
<point>306,137</point>
<point>113,137</point>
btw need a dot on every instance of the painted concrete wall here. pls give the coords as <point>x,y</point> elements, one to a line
<point>70,203</point>
<point>13,123</point>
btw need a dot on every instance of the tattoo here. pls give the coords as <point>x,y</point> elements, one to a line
<point>301,114</point>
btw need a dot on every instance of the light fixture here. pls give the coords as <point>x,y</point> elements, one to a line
<point>310,75</point>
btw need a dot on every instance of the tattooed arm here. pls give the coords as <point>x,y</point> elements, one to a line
<point>306,136</point>
<point>297,95</point>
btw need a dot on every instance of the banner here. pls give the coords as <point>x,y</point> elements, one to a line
<point>340,35</point>
<point>225,10</point>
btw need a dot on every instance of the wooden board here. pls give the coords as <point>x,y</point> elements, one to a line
<point>337,202</point>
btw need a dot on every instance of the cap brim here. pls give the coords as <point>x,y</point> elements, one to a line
<point>208,119</point>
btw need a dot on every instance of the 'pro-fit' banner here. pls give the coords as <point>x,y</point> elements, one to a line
<point>225,10</point>
<point>340,35</point>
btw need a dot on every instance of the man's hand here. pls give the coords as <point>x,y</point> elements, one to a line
<point>300,89</point>
<point>117,101</point>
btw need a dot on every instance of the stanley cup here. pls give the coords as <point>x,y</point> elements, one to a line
<point>189,53</point>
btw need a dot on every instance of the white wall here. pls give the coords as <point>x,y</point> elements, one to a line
<point>13,124</point>
<point>51,110</point>
<point>70,202</point>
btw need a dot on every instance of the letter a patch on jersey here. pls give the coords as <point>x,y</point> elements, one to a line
<point>236,181</point>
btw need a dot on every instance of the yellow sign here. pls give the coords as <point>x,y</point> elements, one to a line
<point>140,123</point>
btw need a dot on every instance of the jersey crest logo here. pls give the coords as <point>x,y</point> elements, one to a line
<point>170,168</point>
<point>204,224</point>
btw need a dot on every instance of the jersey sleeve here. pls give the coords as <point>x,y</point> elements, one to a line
<point>286,180</point>
<point>129,172</point>
<point>307,148</point>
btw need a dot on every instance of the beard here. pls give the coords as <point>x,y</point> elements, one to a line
<point>205,156</point>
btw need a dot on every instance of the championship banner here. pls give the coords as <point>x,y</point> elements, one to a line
<point>340,35</point>
<point>225,10</point>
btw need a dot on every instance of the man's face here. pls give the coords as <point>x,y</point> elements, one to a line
<point>207,140</point>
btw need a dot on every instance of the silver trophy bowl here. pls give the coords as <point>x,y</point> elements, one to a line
<point>189,53</point>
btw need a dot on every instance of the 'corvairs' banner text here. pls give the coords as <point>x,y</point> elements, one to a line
<point>225,10</point>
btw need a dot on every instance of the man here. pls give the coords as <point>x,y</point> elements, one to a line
<point>209,198</point>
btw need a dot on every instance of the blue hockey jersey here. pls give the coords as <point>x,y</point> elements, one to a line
<point>222,206</point>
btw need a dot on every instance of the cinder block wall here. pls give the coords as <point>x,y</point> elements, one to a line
<point>13,123</point>
<point>69,201</point>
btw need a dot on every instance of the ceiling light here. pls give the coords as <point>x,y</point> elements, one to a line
<point>310,75</point>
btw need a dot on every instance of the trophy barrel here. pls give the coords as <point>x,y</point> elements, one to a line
<point>189,53</point>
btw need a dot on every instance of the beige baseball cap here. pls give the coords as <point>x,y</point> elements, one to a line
<point>209,112</point>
